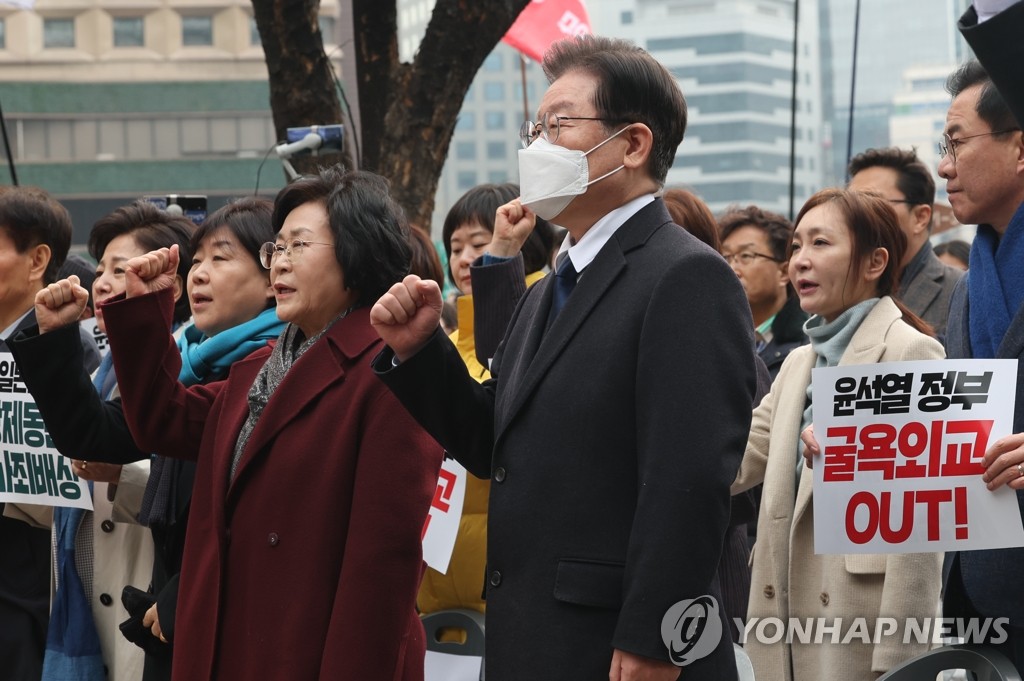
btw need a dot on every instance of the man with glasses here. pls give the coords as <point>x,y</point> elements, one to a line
<point>620,403</point>
<point>756,244</point>
<point>983,164</point>
<point>926,284</point>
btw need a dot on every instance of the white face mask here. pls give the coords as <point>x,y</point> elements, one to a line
<point>551,176</point>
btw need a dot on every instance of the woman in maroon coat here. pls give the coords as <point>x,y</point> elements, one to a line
<point>302,557</point>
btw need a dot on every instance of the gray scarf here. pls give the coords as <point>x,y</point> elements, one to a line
<point>291,345</point>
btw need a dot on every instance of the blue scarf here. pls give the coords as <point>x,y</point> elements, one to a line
<point>997,284</point>
<point>105,380</point>
<point>204,358</point>
<point>72,643</point>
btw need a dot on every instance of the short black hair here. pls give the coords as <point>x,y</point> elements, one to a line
<point>152,229</point>
<point>913,178</point>
<point>369,227</point>
<point>480,204</point>
<point>961,250</point>
<point>249,220</point>
<point>778,229</point>
<point>632,87</point>
<point>991,108</point>
<point>31,217</point>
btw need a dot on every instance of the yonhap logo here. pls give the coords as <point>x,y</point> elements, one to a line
<point>691,629</point>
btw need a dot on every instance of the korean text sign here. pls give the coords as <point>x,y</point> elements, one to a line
<point>902,446</point>
<point>31,469</point>
<point>443,519</point>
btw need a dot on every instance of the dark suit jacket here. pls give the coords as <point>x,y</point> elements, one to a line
<point>615,436</point>
<point>986,574</point>
<point>25,574</point>
<point>927,295</point>
<point>999,48</point>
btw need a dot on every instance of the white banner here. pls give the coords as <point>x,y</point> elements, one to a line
<point>93,329</point>
<point>442,524</point>
<point>902,445</point>
<point>31,470</point>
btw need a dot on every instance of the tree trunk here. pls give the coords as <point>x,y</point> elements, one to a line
<point>409,111</point>
<point>303,90</point>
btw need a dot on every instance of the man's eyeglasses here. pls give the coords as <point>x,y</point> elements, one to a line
<point>746,258</point>
<point>549,126</point>
<point>948,145</point>
<point>269,251</point>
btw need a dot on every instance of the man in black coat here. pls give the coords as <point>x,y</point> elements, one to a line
<point>615,424</point>
<point>986,185</point>
<point>35,235</point>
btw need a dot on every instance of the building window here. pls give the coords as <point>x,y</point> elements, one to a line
<point>466,179</point>
<point>494,92</point>
<point>466,121</point>
<point>626,18</point>
<point>497,150</point>
<point>495,120</point>
<point>254,32</point>
<point>327,29</point>
<point>465,151</point>
<point>497,177</point>
<point>128,32</point>
<point>493,62</point>
<point>58,32</point>
<point>3,34</point>
<point>196,31</point>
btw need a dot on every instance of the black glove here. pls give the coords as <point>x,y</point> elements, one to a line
<point>137,602</point>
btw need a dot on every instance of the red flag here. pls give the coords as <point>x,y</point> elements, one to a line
<point>545,21</point>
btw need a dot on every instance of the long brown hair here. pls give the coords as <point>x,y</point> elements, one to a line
<point>872,224</point>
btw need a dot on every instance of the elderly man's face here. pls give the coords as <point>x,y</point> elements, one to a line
<point>984,183</point>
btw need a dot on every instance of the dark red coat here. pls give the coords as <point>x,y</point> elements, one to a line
<point>306,566</point>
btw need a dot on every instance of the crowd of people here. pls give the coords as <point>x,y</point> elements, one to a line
<point>625,375</point>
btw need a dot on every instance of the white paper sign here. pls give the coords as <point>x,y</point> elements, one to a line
<point>902,445</point>
<point>93,329</point>
<point>442,524</point>
<point>31,470</point>
<point>445,667</point>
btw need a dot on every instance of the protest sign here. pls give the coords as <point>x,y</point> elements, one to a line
<point>100,338</point>
<point>31,470</point>
<point>442,524</point>
<point>902,445</point>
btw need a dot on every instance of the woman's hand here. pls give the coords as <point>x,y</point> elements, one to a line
<point>151,272</point>
<point>407,315</point>
<point>96,471</point>
<point>59,304</point>
<point>811,448</point>
<point>513,224</point>
<point>151,620</point>
<point>1004,463</point>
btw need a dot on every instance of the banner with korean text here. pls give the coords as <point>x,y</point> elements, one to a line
<point>31,469</point>
<point>92,327</point>
<point>443,519</point>
<point>902,446</point>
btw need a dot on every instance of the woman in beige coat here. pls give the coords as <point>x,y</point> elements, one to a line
<point>844,264</point>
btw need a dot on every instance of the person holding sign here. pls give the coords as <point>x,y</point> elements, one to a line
<point>844,264</point>
<point>35,235</point>
<point>303,555</point>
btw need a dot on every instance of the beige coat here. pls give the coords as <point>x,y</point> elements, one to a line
<point>788,579</point>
